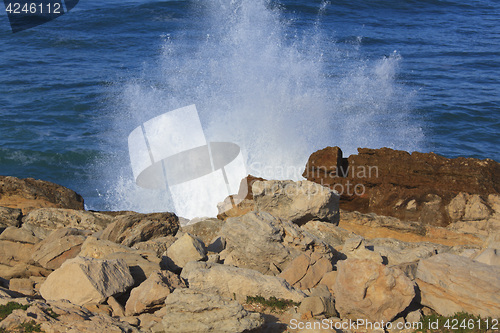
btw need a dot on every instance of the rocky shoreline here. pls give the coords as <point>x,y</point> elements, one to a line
<point>384,237</point>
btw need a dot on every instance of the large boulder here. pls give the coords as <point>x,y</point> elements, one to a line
<point>297,202</point>
<point>16,245</point>
<point>185,249</point>
<point>134,228</point>
<point>265,243</point>
<point>59,246</point>
<point>189,311</point>
<point>84,280</point>
<point>449,283</point>
<point>141,263</point>
<point>27,194</point>
<point>229,281</point>
<point>151,294</point>
<point>57,218</point>
<point>368,290</point>
<point>413,187</point>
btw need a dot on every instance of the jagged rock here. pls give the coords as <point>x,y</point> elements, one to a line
<point>10,217</point>
<point>240,204</point>
<point>206,230</point>
<point>27,194</point>
<point>228,281</point>
<point>70,318</point>
<point>59,246</point>
<point>134,228</point>
<point>329,233</point>
<point>86,280</point>
<point>475,214</point>
<point>368,290</point>
<point>265,243</point>
<point>185,249</point>
<point>141,263</point>
<point>319,303</point>
<point>193,311</point>
<point>489,256</point>
<point>151,294</point>
<point>451,283</point>
<point>157,245</point>
<point>355,248</point>
<point>297,202</point>
<point>16,245</point>
<point>412,187</point>
<point>305,272</point>
<point>396,252</point>
<point>57,218</point>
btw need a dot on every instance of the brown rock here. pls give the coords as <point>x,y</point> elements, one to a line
<point>134,228</point>
<point>413,187</point>
<point>27,194</point>
<point>10,217</point>
<point>240,204</point>
<point>16,245</point>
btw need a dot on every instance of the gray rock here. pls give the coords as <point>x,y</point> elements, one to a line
<point>193,311</point>
<point>84,280</point>
<point>10,217</point>
<point>299,202</point>
<point>228,281</point>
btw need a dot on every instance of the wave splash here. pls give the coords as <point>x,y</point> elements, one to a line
<point>276,86</point>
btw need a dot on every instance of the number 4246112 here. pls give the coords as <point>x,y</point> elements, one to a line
<point>34,8</point>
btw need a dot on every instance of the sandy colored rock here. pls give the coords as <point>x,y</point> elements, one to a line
<point>27,194</point>
<point>59,246</point>
<point>298,202</point>
<point>10,217</point>
<point>368,290</point>
<point>206,230</point>
<point>355,248</point>
<point>151,294</point>
<point>449,283</point>
<point>57,218</point>
<point>228,281</point>
<point>23,286</point>
<point>185,249</point>
<point>129,229</point>
<point>16,245</point>
<point>85,280</point>
<point>193,311</point>
<point>489,256</point>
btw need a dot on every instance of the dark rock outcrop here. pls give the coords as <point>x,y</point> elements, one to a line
<point>412,187</point>
<point>27,194</point>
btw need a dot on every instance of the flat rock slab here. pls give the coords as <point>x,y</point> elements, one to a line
<point>449,283</point>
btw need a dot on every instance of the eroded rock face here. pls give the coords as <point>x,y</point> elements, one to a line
<point>413,187</point>
<point>365,289</point>
<point>27,194</point>
<point>84,280</point>
<point>297,202</point>
<point>134,228</point>
<point>228,281</point>
<point>451,283</point>
<point>194,311</point>
<point>265,243</point>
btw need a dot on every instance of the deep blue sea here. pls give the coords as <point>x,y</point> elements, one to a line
<point>280,78</point>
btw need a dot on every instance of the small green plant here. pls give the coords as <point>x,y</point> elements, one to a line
<point>273,302</point>
<point>51,313</point>
<point>458,323</point>
<point>29,327</point>
<point>7,309</point>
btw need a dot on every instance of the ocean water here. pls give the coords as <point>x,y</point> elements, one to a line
<point>279,78</point>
